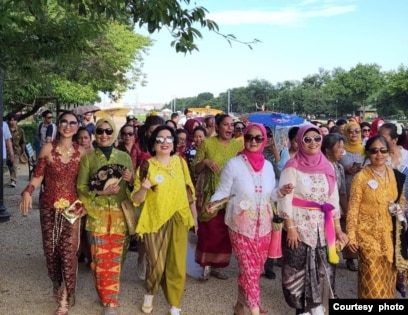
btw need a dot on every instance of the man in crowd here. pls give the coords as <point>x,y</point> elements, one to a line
<point>18,143</point>
<point>188,114</point>
<point>8,152</point>
<point>47,131</point>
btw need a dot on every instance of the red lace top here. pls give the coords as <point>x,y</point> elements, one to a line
<point>59,178</point>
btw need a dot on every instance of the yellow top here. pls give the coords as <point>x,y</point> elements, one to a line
<point>369,223</point>
<point>168,196</point>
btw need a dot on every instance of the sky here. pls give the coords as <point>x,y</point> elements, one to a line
<point>297,39</point>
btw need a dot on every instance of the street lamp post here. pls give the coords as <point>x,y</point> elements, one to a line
<point>336,109</point>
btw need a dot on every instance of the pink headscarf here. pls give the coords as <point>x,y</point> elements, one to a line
<point>256,159</point>
<point>311,163</point>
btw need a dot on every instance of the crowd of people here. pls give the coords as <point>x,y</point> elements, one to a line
<point>325,191</point>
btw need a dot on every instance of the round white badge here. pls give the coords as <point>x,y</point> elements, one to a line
<point>159,178</point>
<point>245,204</point>
<point>373,184</point>
<point>306,181</point>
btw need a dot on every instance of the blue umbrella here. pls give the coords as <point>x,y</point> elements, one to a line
<point>272,119</point>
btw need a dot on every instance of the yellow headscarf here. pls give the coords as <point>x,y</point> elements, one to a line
<point>113,126</point>
<point>353,146</point>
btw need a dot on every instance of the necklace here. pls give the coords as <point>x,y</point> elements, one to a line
<point>64,152</point>
<point>379,173</point>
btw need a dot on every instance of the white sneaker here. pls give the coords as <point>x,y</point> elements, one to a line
<point>318,310</point>
<point>174,311</point>
<point>141,270</point>
<point>147,306</point>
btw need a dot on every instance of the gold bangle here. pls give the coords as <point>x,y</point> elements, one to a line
<point>291,227</point>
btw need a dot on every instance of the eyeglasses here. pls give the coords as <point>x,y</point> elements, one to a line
<point>250,138</point>
<point>376,150</point>
<point>48,117</point>
<point>366,129</point>
<point>239,128</point>
<point>161,140</point>
<point>100,131</point>
<point>64,123</point>
<point>269,135</point>
<point>130,134</point>
<point>353,131</point>
<point>316,139</point>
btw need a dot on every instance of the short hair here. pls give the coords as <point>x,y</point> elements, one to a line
<point>341,122</point>
<point>45,113</point>
<point>200,128</point>
<point>173,115</point>
<point>82,128</point>
<point>172,122</point>
<point>330,140</point>
<point>373,139</point>
<point>152,139</point>
<point>187,111</point>
<point>14,117</point>
<point>238,122</point>
<point>293,132</point>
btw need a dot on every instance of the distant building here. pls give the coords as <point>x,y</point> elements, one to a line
<point>370,112</point>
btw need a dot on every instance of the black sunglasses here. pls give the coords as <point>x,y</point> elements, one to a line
<point>100,131</point>
<point>250,138</point>
<point>239,128</point>
<point>316,139</point>
<point>64,123</point>
<point>130,134</point>
<point>376,150</point>
<point>161,140</point>
<point>48,117</point>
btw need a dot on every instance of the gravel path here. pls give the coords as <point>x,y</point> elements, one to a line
<point>26,290</point>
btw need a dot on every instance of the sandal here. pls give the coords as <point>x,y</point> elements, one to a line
<point>263,310</point>
<point>351,266</point>
<point>217,274</point>
<point>206,274</point>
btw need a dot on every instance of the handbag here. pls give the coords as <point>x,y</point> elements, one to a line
<point>131,215</point>
<point>71,213</point>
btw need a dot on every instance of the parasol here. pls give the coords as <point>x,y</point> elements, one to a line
<point>111,112</point>
<point>272,119</point>
<point>207,110</point>
<point>81,110</point>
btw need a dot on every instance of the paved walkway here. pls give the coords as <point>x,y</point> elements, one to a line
<point>26,290</point>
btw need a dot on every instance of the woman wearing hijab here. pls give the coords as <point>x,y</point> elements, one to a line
<point>311,216</point>
<point>375,126</point>
<point>103,183</point>
<point>189,127</point>
<point>249,213</point>
<point>352,161</point>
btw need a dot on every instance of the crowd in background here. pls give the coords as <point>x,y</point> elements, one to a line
<point>327,186</point>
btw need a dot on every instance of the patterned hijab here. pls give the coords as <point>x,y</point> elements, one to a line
<point>311,163</point>
<point>350,145</point>
<point>256,159</point>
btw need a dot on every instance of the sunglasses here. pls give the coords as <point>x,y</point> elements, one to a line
<point>366,129</point>
<point>64,123</point>
<point>250,138</point>
<point>161,140</point>
<point>269,135</point>
<point>316,139</point>
<point>130,134</point>
<point>48,117</point>
<point>239,128</point>
<point>376,150</point>
<point>354,131</point>
<point>100,131</point>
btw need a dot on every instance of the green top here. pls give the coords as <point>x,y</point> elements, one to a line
<point>105,213</point>
<point>214,150</point>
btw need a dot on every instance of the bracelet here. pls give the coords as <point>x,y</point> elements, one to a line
<point>30,189</point>
<point>280,195</point>
<point>290,227</point>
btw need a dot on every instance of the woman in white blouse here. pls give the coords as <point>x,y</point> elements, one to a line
<point>311,219</point>
<point>249,213</point>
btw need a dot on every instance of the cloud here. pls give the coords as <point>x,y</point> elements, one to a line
<point>289,16</point>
